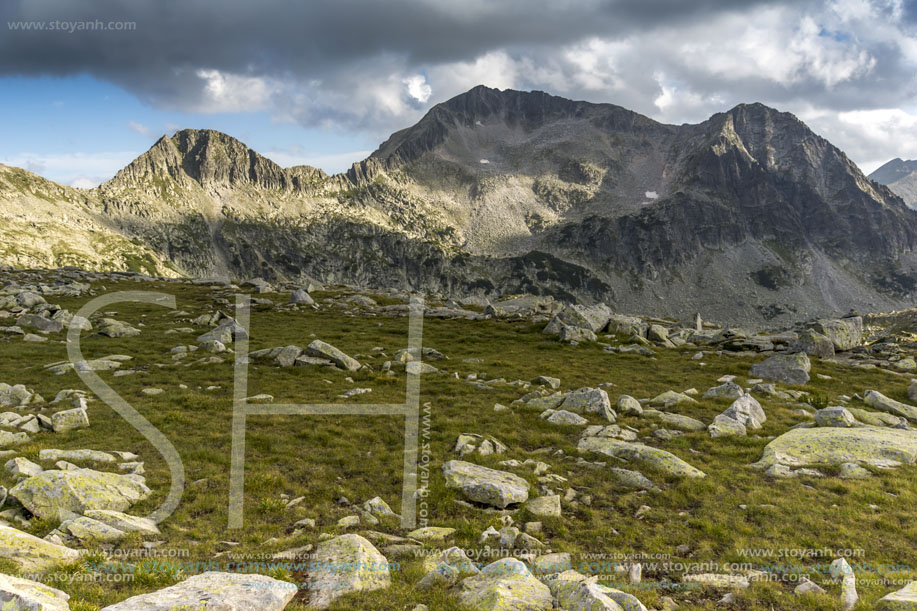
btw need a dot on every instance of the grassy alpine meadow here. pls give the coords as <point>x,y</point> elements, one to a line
<point>733,520</point>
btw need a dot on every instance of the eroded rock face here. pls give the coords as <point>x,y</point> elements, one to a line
<point>484,485</point>
<point>344,565</point>
<point>217,592</point>
<point>506,585</point>
<point>869,445</point>
<point>54,495</point>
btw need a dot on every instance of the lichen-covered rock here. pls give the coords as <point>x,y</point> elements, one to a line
<point>670,398</point>
<point>729,390</point>
<point>876,400</point>
<point>69,419</point>
<point>576,334</point>
<point>679,421</point>
<point>835,416</point>
<point>629,406</point>
<point>629,480</point>
<point>323,350</point>
<point>505,585</point>
<point>8,440</point>
<point>876,446</point>
<point>562,416</point>
<point>813,343</point>
<point>904,599</point>
<point>582,595</point>
<point>123,521</point>
<point>844,333</point>
<point>344,565</point>
<point>640,454</point>
<point>116,328</point>
<point>486,486</point>
<point>724,426</point>
<point>31,553</point>
<point>54,494</point>
<point>787,368</point>
<point>215,591</point>
<point>17,594</point>
<point>747,411</point>
<point>91,532</point>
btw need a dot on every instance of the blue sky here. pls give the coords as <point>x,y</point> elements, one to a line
<point>78,129</point>
<point>324,83</point>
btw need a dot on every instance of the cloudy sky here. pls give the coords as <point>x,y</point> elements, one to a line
<point>85,86</point>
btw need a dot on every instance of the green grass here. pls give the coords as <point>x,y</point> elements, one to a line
<point>326,457</point>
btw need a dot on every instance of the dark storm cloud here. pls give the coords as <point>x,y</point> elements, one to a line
<point>377,65</point>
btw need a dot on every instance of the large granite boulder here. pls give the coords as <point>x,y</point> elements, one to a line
<point>747,411</point>
<point>55,495</point>
<point>215,591</point>
<point>869,445</point>
<point>364,569</point>
<point>876,400</point>
<point>813,343</point>
<point>787,368</point>
<point>844,333</point>
<point>484,485</point>
<point>506,585</point>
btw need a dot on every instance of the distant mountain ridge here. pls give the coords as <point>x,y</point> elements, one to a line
<point>748,216</point>
<point>901,177</point>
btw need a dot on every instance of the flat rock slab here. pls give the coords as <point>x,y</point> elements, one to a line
<point>54,494</point>
<point>215,591</point>
<point>344,565</point>
<point>484,485</point>
<point>877,400</point>
<point>876,446</point>
<point>640,454</point>
<point>31,553</point>
<point>323,350</point>
<point>26,595</point>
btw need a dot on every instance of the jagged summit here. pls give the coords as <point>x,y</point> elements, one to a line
<point>212,159</point>
<point>894,170</point>
<point>746,216</point>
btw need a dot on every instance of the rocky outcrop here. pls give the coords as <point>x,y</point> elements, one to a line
<point>225,591</point>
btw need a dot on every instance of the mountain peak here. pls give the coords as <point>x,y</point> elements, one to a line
<point>213,159</point>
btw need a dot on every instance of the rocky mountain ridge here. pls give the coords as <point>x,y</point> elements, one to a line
<point>748,216</point>
<point>901,177</point>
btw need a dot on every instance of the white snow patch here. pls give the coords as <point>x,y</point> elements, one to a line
<point>484,161</point>
<point>651,195</point>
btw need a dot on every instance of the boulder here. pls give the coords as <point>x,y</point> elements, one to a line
<point>116,328</point>
<point>787,368</point>
<point>123,521</point>
<point>485,486</point>
<point>639,454</point>
<point>813,343</point>
<point>563,417</point>
<point>91,532</point>
<point>215,591</point>
<point>876,400</point>
<point>835,416</point>
<point>54,494</point>
<point>17,594</point>
<point>729,390</point>
<point>680,422</point>
<point>301,297</point>
<point>576,334</point>
<point>747,411</point>
<point>844,333</point>
<point>724,426</point>
<point>584,595</point>
<point>364,569</point>
<point>865,445</point>
<point>323,350</point>
<point>39,322</point>
<point>32,554</point>
<point>588,400</point>
<point>670,398</point>
<point>593,318</point>
<point>904,599</point>
<point>69,419</point>
<point>629,480</point>
<point>506,585</point>
<point>629,406</point>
